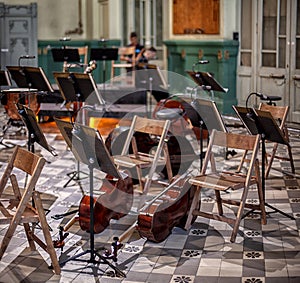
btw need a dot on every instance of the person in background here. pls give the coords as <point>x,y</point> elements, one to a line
<point>139,49</point>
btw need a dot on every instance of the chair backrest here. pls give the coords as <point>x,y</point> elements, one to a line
<point>148,126</point>
<point>236,141</point>
<point>127,51</point>
<point>25,161</point>
<point>279,113</point>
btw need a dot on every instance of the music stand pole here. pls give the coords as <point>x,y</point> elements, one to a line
<point>75,175</point>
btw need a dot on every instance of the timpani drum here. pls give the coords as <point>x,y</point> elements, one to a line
<point>19,95</point>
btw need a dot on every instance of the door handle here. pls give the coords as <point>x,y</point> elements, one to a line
<point>296,77</point>
<point>274,76</point>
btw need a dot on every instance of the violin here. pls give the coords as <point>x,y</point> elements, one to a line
<point>156,221</point>
<point>114,202</point>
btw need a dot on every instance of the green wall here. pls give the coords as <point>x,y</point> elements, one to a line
<point>222,57</point>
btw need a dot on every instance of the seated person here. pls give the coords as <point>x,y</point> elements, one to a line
<point>139,50</point>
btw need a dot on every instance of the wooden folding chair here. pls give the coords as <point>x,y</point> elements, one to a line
<point>24,206</point>
<point>124,52</point>
<point>221,177</point>
<point>158,156</point>
<point>279,113</point>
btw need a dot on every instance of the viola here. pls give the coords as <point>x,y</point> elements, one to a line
<point>170,210</point>
<point>114,202</point>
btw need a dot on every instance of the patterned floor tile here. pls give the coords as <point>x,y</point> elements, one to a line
<point>261,254</point>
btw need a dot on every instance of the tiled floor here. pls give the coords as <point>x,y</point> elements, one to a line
<point>262,253</point>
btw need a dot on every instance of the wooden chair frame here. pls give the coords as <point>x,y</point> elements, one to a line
<point>19,209</point>
<point>139,160</point>
<point>223,180</point>
<point>124,52</point>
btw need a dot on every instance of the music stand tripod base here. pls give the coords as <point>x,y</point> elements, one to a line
<point>75,176</point>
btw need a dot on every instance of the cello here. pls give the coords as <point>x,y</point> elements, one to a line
<point>115,195</point>
<point>166,211</point>
<point>114,202</point>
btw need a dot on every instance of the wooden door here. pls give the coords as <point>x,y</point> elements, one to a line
<point>18,27</point>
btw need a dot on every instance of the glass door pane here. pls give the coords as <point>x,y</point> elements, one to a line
<point>246,33</point>
<point>269,33</point>
<point>297,54</point>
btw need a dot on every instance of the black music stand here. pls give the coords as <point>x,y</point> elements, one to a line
<point>77,87</point>
<point>104,54</point>
<point>150,77</point>
<point>65,55</point>
<point>35,134</point>
<point>207,82</point>
<point>210,118</point>
<point>87,145</point>
<point>262,122</point>
<point>30,77</point>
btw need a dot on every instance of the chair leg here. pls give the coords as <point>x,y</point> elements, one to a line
<point>239,215</point>
<point>168,163</point>
<point>261,196</point>
<point>47,236</point>
<point>29,236</point>
<point>13,224</point>
<point>140,177</point>
<point>219,202</point>
<point>242,161</point>
<point>195,203</point>
<point>8,236</point>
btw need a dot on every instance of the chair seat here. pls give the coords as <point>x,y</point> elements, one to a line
<point>123,65</point>
<point>221,182</point>
<point>131,160</point>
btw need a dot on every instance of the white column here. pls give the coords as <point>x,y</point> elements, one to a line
<point>116,19</point>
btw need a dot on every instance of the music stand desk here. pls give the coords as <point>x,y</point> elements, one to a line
<point>30,77</point>
<point>206,81</point>
<point>104,54</point>
<point>77,87</point>
<point>262,122</point>
<point>65,55</point>
<point>35,133</point>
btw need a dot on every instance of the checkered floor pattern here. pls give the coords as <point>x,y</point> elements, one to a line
<point>261,254</point>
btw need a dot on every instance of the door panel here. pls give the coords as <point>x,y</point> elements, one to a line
<point>275,51</point>
<point>295,62</point>
<point>18,34</point>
